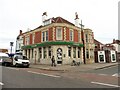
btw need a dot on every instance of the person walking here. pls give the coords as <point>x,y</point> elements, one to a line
<point>53,61</point>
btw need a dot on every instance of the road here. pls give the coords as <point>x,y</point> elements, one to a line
<point>35,78</point>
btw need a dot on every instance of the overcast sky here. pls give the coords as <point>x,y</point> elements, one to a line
<point>99,15</point>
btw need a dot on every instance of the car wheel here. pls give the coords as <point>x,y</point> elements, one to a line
<point>5,64</point>
<point>27,66</point>
<point>16,65</point>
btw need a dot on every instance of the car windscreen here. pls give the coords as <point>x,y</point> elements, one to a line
<point>22,57</point>
<point>5,58</point>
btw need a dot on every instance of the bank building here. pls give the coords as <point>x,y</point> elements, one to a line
<point>59,38</point>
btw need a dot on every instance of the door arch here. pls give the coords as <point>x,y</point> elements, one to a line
<point>59,55</point>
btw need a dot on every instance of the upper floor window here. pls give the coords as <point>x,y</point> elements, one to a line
<point>27,39</point>
<point>45,36</point>
<point>79,37</point>
<point>33,38</point>
<point>59,33</point>
<point>71,35</point>
<point>86,37</point>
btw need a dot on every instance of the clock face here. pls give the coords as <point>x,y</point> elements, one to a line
<point>59,53</point>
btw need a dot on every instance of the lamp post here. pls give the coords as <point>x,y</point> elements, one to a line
<point>83,42</point>
<point>11,44</point>
<point>35,56</point>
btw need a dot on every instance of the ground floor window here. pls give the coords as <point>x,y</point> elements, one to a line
<point>79,50</point>
<point>74,52</point>
<point>69,51</point>
<point>49,52</point>
<point>32,53</point>
<point>44,52</point>
<point>87,54</point>
<point>113,57</point>
<point>29,53</point>
<point>91,53</point>
<point>26,52</point>
<point>40,53</point>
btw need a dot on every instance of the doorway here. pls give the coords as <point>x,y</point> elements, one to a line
<point>59,56</point>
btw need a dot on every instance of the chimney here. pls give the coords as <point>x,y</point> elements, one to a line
<point>113,40</point>
<point>20,32</point>
<point>44,17</point>
<point>76,19</point>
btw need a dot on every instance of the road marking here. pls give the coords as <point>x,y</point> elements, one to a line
<point>1,83</point>
<point>12,68</point>
<point>105,84</point>
<point>50,75</point>
<point>33,72</point>
<point>103,74</point>
<point>116,74</point>
<point>44,74</point>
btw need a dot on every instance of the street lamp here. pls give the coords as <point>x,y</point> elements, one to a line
<point>83,41</point>
<point>11,44</point>
<point>35,56</point>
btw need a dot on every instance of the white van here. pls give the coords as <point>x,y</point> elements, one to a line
<point>5,59</point>
<point>20,60</point>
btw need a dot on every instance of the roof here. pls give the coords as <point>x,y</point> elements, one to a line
<point>96,42</point>
<point>61,20</point>
<point>54,20</point>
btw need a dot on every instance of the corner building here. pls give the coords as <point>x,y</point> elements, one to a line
<point>57,37</point>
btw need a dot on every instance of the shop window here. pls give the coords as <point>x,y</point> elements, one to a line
<point>40,53</point>
<point>79,52</point>
<point>44,52</point>
<point>91,53</point>
<point>32,53</point>
<point>113,57</point>
<point>74,52</point>
<point>87,54</point>
<point>49,51</point>
<point>69,51</point>
<point>101,57</point>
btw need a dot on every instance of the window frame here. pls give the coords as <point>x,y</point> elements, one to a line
<point>57,33</point>
<point>71,35</point>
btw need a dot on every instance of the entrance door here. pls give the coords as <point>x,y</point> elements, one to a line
<point>59,56</point>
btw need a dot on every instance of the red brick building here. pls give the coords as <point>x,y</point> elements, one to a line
<point>57,37</point>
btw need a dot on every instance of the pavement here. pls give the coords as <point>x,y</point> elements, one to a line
<point>82,67</point>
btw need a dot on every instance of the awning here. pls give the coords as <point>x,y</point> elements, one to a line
<point>52,43</point>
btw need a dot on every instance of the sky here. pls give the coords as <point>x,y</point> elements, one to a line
<point>99,15</point>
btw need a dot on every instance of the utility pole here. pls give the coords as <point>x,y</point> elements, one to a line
<point>83,42</point>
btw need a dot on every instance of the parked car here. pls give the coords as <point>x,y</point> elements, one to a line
<point>20,60</point>
<point>5,60</point>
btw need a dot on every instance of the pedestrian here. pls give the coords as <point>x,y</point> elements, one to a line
<point>53,61</point>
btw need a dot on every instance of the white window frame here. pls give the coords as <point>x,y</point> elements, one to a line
<point>57,34</point>
<point>71,31</point>
<point>27,40</point>
<point>45,36</point>
<point>33,38</point>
